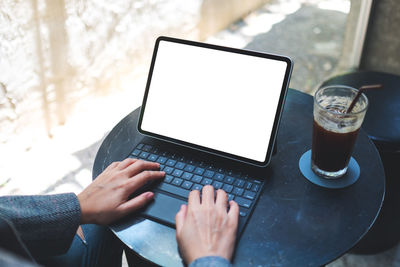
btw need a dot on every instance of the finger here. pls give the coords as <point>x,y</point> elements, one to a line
<point>142,178</point>
<point>126,162</point>
<point>233,213</point>
<point>180,218</point>
<point>208,195</point>
<point>113,165</point>
<point>141,165</point>
<point>222,199</point>
<point>194,199</point>
<point>135,203</point>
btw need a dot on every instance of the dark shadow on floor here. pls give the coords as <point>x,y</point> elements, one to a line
<point>313,44</point>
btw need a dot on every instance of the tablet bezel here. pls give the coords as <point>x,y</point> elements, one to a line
<point>278,112</point>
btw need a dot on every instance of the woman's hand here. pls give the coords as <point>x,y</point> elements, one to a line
<point>205,227</point>
<point>106,199</point>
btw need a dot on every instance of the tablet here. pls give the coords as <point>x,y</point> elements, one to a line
<point>220,100</point>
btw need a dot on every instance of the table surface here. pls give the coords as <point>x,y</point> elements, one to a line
<point>295,223</point>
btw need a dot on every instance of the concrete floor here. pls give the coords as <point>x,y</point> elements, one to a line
<point>282,26</point>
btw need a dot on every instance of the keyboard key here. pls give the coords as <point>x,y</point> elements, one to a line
<point>202,164</point>
<point>190,161</point>
<point>139,146</point>
<point>229,179</point>
<point>248,185</point>
<point>217,185</point>
<point>135,152</point>
<point>206,181</point>
<point>144,155</point>
<point>177,173</point>
<point>174,190</point>
<point>236,174</point>
<point>219,177</point>
<point>187,175</point>
<point>197,187</point>
<point>147,148</point>
<point>168,170</point>
<point>220,170</point>
<point>162,166</point>
<point>212,168</point>
<point>209,174</point>
<point>177,181</point>
<point>170,162</point>
<point>180,165</point>
<point>242,213</point>
<point>168,178</point>
<point>189,168</point>
<point>163,153</point>
<point>255,188</point>
<point>249,194</point>
<point>199,171</point>
<point>162,160</point>
<point>227,188</point>
<point>197,179</point>
<point>230,197</point>
<point>238,191</point>
<point>187,184</point>
<point>239,183</point>
<point>243,202</point>
<point>153,157</point>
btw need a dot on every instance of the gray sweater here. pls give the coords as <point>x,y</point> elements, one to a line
<point>46,224</point>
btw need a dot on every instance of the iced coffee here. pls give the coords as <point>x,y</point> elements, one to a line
<point>335,129</point>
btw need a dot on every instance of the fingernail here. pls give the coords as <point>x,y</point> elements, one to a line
<point>149,195</point>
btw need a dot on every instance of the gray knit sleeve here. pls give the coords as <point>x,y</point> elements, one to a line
<point>46,223</point>
<point>210,261</point>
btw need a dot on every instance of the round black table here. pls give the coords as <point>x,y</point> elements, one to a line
<point>295,222</point>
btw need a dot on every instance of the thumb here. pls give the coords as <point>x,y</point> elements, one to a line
<point>180,218</point>
<point>136,203</point>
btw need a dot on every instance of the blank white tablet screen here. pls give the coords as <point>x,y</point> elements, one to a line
<point>216,99</point>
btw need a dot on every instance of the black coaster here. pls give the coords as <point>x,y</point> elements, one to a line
<point>351,176</point>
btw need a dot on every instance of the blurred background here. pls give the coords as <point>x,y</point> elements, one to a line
<point>71,69</point>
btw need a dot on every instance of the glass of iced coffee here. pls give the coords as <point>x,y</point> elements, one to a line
<point>335,129</point>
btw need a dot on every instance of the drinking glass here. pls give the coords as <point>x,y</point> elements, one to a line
<point>334,130</point>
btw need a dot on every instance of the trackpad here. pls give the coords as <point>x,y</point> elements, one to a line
<point>163,209</point>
